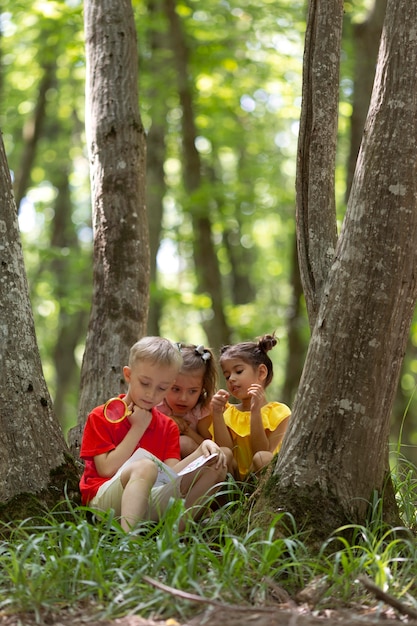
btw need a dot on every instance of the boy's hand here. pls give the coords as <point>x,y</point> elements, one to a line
<point>139,416</point>
<point>258,398</point>
<point>219,401</point>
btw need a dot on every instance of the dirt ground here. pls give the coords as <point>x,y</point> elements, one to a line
<point>273,616</point>
<point>279,610</point>
<point>215,614</point>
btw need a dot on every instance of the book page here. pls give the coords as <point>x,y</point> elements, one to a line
<point>198,462</point>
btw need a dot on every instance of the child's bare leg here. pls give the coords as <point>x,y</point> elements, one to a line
<point>260,460</point>
<point>137,480</point>
<point>231,463</point>
<point>187,446</point>
<point>199,487</point>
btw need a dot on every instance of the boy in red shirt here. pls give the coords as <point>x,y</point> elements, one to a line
<point>122,469</point>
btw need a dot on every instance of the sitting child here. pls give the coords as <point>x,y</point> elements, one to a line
<point>187,402</point>
<point>123,469</point>
<point>252,429</point>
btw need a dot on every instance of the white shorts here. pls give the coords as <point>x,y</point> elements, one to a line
<point>167,486</point>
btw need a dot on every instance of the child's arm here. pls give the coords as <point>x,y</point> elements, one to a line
<point>258,437</point>
<point>221,432</point>
<point>194,435</point>
<point>262,440</point>
<point>277,435</point>
<point>185,429</point>
<point>108,463</point>
<point>203,427</point>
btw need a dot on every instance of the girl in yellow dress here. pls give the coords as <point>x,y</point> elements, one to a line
<point>253,429</point>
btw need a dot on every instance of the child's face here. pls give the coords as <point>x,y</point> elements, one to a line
<point>148,383</point>
<point>184,393</point>
<point>240,376</point>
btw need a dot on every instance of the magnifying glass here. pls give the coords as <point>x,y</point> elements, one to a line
<point>115,410</point>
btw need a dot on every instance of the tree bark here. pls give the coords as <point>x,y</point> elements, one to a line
<point>334,456</point>
<point>31,440</point>
<point>366,38</point>
<point>117,165</point>
<point>316,157</point>
<point>297,335</point>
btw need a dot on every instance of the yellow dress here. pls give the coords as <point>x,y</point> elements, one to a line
<point>238,423</point>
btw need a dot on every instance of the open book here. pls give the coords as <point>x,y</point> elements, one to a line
<point>198,462</point>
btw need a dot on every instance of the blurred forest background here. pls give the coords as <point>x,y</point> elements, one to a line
<point>220,100</point>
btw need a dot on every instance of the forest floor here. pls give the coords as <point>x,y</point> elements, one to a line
<point>272,615</point>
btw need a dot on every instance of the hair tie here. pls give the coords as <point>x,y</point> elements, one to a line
<point>203,352</point>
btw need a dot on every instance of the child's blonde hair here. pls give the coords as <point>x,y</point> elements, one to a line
<point>254,353</point>
<point>200,358</point>
<point>156,350</point>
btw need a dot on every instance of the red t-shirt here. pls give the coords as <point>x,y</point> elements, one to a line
<point>161,438</point>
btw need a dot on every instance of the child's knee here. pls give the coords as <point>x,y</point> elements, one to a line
<point>260,459</point>
<point>187,446</point>
<point>144,470</point>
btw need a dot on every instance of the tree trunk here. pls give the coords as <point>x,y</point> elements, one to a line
<point>240,258</point>
<point>72,324</point>
<point>31,440</point>
<point>366,38</point>
<point>158,65</point>
<point>335,453</point>
<point>205,257</point>
<point>297,334</point>
<point>316,215</point>
<point>32,133</point>
<point>117,165</point>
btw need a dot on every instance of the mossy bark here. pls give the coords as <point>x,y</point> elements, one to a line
<point>315,513</point>
<point>61,493</point>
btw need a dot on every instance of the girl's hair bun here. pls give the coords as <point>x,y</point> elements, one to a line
<point>267,342</point>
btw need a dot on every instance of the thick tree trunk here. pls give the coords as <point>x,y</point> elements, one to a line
<point>31,440</point>
<point>335,453</point>
<point>117,164</point>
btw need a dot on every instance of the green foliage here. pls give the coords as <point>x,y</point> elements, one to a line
<point>245,69</point>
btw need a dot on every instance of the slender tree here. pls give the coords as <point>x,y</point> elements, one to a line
<point>158,64</point>
<point>366,37</point>
<point>205,257</point>
<point>32,132</point>
<point>335,454</point>
<point>316,215</point>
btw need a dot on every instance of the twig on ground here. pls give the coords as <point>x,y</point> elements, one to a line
<point>387,598</point>
<point>185,595</point>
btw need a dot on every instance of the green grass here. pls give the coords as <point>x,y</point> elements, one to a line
<point>66,560</point>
